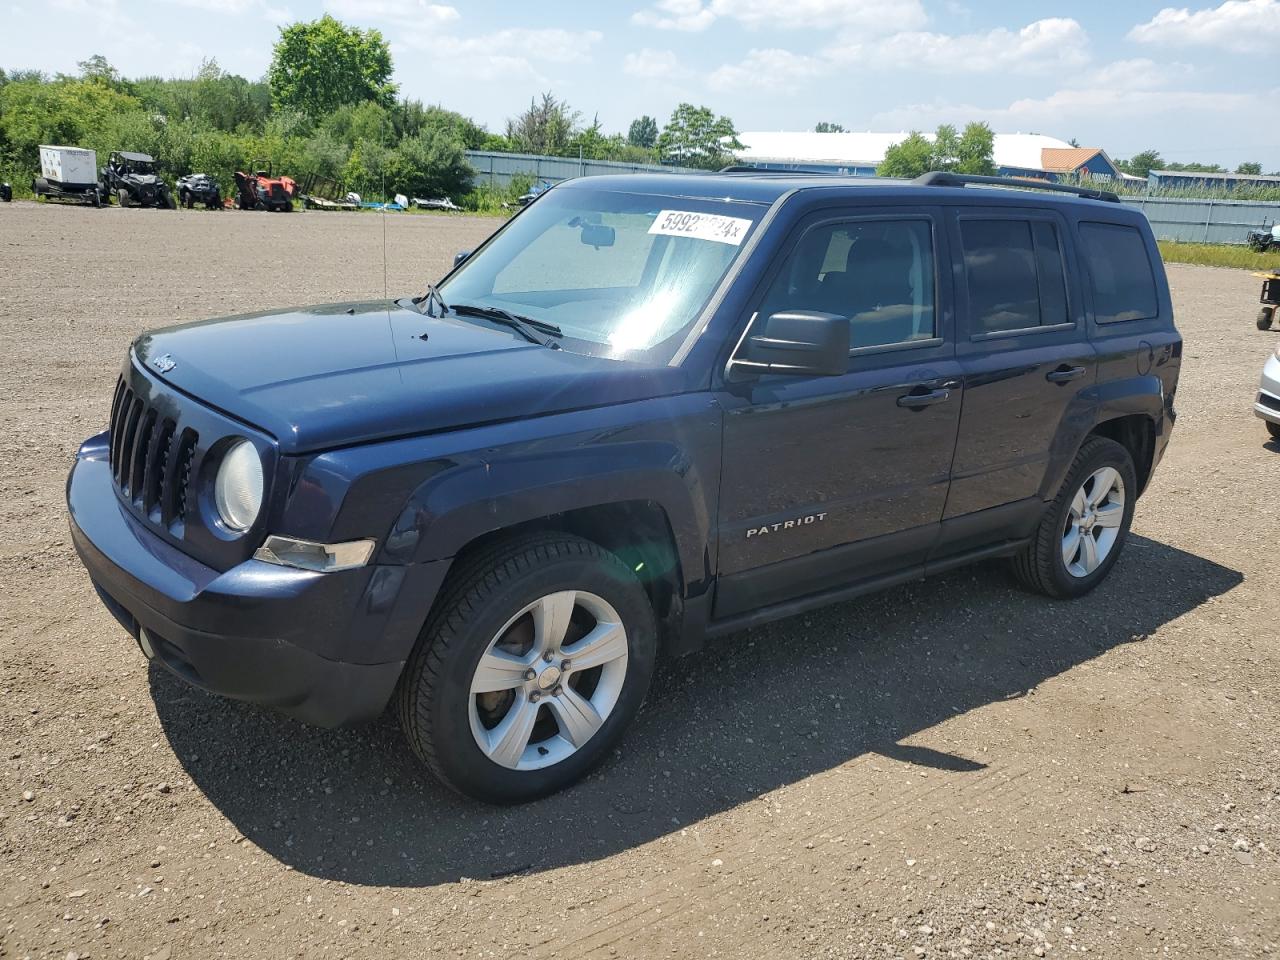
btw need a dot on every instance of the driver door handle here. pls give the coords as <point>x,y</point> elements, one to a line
<point>1065,374</point>
<point>918,401</point>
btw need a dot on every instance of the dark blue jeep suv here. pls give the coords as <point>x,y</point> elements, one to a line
<point>648,410</point>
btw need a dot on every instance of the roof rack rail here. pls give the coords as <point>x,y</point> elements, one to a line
<point>942,178</point>
<point>771,172</point>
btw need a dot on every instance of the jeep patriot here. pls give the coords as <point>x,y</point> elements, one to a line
<point>647,411</point>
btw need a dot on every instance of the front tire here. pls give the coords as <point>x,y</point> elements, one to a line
<point>1273,429</point>
<point>1085,528</point>
<point>535,659</point>
<point>1265,316</point>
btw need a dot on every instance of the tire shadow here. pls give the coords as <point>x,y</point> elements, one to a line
<point>751,712</point>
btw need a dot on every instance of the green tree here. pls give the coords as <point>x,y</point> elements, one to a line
<point>695,137</point>
<point>908,158</point>
<point>1250,169</point>
<point>825,127</point>
<point>64,111</point>
<point>643,132</point>
<point>99,70</point>
<point>975,150</point>
<point>545,127</point>
<point>1141,164</point>
<point>319,66</point>
<point>431,164</point>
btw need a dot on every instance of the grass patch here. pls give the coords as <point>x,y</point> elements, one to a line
<point>1219,255</point>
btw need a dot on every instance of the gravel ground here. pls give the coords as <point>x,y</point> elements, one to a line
<point>953,768</point>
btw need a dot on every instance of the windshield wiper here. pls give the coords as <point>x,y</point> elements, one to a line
<point>527,327</point>
<point>433,293</point>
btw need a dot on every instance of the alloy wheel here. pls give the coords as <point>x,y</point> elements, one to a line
<point>548,680</point>
<point>1093,522</point>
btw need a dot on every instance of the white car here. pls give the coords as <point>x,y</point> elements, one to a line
<point>1268,403</point>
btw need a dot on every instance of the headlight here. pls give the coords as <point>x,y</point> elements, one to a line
<point>237,491</point>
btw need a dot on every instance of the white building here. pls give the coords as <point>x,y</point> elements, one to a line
<point>859,154</point>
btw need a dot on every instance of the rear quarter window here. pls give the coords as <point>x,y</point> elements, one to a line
<point>1120,274</point>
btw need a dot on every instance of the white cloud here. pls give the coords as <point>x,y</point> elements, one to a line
<point>416,12</point>
<point>863,16</point>
<point>686,15</point>
<point>1137,74</point>
<point>550,43</point>
<point>1060,112</point>
<point>1233,25</point>
<point>1045,46</point>
<point>652,64</point>
<point>512,54</point>
<point>772,68</point>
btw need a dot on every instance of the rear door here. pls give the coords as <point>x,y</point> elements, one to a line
<point>827,481</point>
<point>1025,356</point>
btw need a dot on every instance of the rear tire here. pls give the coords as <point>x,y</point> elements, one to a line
<point>1082,511</point>
<point>510,619</point>
<point>1265,316</point>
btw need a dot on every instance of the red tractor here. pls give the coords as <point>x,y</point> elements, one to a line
<point>262,191</point>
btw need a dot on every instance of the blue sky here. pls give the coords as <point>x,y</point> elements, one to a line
<point>1196,82</point>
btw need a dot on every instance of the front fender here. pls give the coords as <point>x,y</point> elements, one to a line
<point>426,498</point>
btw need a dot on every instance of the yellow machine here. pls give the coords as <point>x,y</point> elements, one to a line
<point>1270,298</point>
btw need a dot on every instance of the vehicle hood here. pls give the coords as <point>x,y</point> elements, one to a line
<point>142,179</point>
<point>329,376</point>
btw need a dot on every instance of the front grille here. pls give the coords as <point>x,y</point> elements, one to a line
<point>1269,401</point>
<point>150,458</point>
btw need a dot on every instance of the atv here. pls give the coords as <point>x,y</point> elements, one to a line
<point>132,178</point>
<point>199,188</point>
<point>261,190</point>
<point>1263,240</point>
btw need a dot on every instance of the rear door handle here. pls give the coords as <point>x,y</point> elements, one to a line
<point>1065,374</point>
<point>918,401</point>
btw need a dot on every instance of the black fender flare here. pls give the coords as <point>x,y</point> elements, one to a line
<point>1140,395</point>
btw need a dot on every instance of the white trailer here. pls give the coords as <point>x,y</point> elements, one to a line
<point>68,172</point>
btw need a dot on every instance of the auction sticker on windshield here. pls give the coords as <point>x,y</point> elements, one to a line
<point>701,226</point>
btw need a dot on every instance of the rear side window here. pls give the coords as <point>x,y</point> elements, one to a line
<point>1014,275</point>
<point>1124,287</point>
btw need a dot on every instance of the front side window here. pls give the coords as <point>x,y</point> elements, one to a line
<point>878,273</point>
<point>1124,288</point>
<point>1014,275</point>
<point>620,274</point>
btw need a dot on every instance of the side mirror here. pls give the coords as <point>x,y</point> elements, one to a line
<point>460,256</point>
<point>597,235</point>
<point>802,343</point>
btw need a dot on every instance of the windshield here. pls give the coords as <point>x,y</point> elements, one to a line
<point>620,274</point>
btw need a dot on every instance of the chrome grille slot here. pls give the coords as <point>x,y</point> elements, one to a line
<point>138,456</point>
<point>124,455</point>
<point>180,486</point>
<point>151,458</point>
<point>159,462</point>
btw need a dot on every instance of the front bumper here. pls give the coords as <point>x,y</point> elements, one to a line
<point>1267,406</point>
<point>326,648</point>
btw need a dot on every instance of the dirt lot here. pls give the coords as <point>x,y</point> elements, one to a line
<point>953,768</point>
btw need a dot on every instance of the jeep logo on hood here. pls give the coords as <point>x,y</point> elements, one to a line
<point>164,363</point>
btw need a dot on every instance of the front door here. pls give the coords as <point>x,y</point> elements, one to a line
<point>828,481</point>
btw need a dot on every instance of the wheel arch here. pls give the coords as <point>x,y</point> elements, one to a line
<point>1136,432</point>
<point>638,532</point>
<point>1130,411</point>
